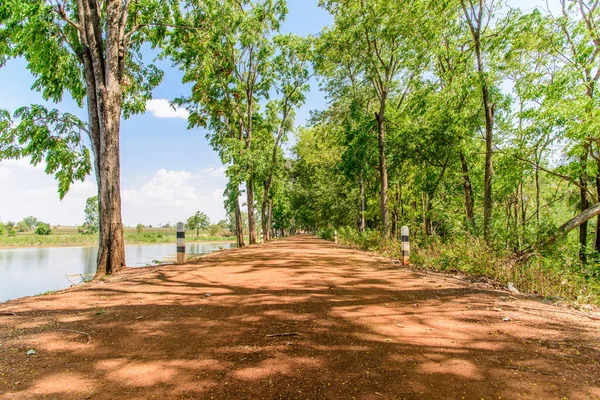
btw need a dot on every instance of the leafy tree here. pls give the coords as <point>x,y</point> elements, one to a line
<point>229,66</point>
<point>31,222</point>
<point>23,227</point>
<point>92,210</point>
<point>43,229</point>
<point>2,229</point>
<point>92,51</point>
<point>139,228</point>
<point>198,221</point>
<point>383,51</point>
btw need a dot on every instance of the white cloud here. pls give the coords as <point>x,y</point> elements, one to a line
<point>161,108</point>
<point>27,190</point>
<point>172,196</point>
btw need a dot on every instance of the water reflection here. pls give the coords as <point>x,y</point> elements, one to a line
<point>26,272</point>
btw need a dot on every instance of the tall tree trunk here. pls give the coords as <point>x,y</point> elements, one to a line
<point>383,178</point>
<point>597,239</point>
<point>103,59</point>
<point>362,223</point>
<point>487,191</point>
<point>537,193</point>
<point>475,19</point>
<point>111,255</point>
<point>396,215</point>
<point>583,206</point>
<point>263,209</point>
<point>428,221</point>
<point>270,219</point>
<point>250,201</point>
<point>239,227</point>
<point>468,190</point>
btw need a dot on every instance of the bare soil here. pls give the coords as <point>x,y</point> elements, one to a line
<point>298,318</point>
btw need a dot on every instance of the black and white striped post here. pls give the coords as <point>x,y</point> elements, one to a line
<point>335,236</point>
<point>180,243</point>
<point>405,246</point>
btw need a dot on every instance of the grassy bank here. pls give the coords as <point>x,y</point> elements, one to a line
<point>68,236</point>
<point>551,275</point>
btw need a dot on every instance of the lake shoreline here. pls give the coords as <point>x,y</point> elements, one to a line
<point>67,245</point>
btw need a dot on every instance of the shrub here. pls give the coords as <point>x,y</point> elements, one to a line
<point>2,229</point>
<point>327,234</point>
<point>139,228</point>
<point>43,229</point>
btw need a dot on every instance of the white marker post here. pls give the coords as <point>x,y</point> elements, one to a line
<point>335,236</point>
<point>180,243</point>
<point>405,246</point>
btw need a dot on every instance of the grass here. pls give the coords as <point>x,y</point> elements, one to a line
<point>550,275</point>
<point>68,236</point>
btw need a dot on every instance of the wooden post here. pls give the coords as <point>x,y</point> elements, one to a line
<point>180,243</point>
<point>405,246</point>
<point>335,236</point>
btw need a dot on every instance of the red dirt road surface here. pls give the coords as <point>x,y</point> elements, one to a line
<point>298,318</point>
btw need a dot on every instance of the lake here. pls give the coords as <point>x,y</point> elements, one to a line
<point>30,271</point>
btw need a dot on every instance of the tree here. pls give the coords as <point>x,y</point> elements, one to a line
<point>384,52</point>
<point>23,227</point>
<point>139,228</point>
<point>198,221</point>
<point>43,229</point>
<point>92,50</point>
<point>478,14</point>
<point>229,66</point>
<point>290,73</point>
<point>31,222</point>
<point>92,210</point>
<point>2,229</point>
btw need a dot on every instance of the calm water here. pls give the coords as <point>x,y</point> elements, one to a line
<point>30,271</point>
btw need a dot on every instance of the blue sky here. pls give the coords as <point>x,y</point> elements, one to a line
<point>167,171</point>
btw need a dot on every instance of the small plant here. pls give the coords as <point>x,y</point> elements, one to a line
<point>45,293</point>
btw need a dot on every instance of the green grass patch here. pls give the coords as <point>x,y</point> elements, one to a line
<point>68,236</point>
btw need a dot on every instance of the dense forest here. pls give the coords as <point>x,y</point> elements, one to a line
<point>472,123</point>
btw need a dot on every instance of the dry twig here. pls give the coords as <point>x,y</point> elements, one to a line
<point>283,334</point>
<point>79,333</point>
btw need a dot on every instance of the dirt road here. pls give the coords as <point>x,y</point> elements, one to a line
<point>344,324</point>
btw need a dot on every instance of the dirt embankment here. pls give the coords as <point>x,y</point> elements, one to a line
<point>298,318</point>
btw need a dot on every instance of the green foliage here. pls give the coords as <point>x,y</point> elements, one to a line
<point>23,227</point>
<point>43,229</point>
<point>327,234</point>
<point>52,137</point>
<point>139,228</point>
<point>31,222</point>
<point>2,229</point>
<point>215,230</point>
<point>197,222</point>
<point>91,225</point>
